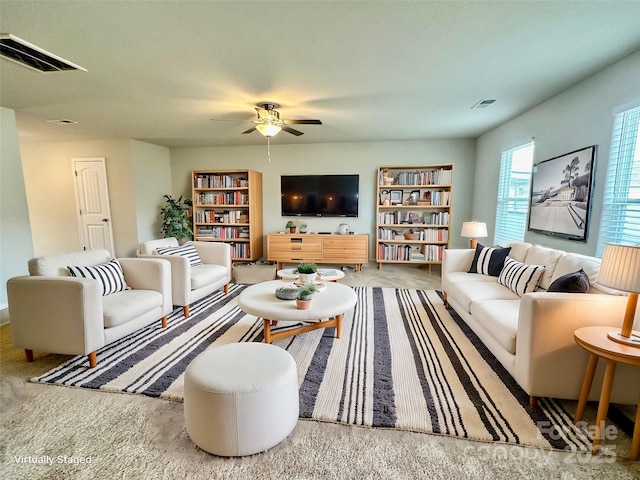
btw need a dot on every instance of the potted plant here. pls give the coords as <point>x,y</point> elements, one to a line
<point>307,273</point>
<point>176,221</point>
<point>303,228</point>
<point>305,294</point>
<point>291,226</point>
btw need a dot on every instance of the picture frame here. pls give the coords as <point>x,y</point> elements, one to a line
<point>384,195</point>
<point>560,194</point>
<point>395,196</point>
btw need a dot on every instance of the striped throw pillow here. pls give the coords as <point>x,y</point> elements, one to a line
<point>520,278</point>
<point>187,250</point>
<point>110,276</point>
<point>489,260</point>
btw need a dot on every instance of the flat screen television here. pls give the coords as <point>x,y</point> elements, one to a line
<point>319,195</point>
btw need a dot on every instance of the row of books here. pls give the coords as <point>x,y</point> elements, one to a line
<point>212,180</point>
<point>440,198</point>
<point>240,250</point>
<point>437,218</point>
<point>228,198</point>
<point>413,218</point>
<point>441,176</point>
<point>223,232</point>
<point>405,253</point>
<point>224,216</point>
<point>424,235</point>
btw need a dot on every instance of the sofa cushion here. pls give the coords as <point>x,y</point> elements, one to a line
<point>466,293</point>
<point>519,250</point>
<point>549,257</point>
<point>500,319</point>
<point>110,275</point>
<point>456,277</point>
<point>56,265</point>
<point>187,250</point>
<point>125,306</point>
<point>520,278</point>
<point>204,275</point>
<point>488,260</point>
<point>572,262</point>
<point>574,282</point>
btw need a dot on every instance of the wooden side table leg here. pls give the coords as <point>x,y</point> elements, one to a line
<point>267,330</point>
<point>603,407</point>
<point>635,443</point>
<point>586,387</point>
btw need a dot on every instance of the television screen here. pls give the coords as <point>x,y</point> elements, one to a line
<point>319,195</point>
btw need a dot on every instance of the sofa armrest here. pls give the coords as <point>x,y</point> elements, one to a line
<point>214,253</point>
<point>180,276</point>
<point>149,274</point>
<point>457,260</point>
<point>547,356</point>
<point>56,314</point>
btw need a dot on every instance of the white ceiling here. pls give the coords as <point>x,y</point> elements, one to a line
<point>158,71</point>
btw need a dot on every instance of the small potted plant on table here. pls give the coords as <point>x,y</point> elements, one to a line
<point>291,226</point>
<point>307,273</point>
<point>305,294</point>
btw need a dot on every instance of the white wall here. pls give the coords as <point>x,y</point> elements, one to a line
<point>576,118</point>
<point>15,233</point>
<point>151,166</point>
<point>333,158</point>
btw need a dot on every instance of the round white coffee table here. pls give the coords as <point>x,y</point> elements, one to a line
<point>324,274</point>
<point>327,308</point>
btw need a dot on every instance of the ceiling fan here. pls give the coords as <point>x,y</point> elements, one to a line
<point>270,124</point>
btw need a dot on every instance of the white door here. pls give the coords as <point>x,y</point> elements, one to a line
<point>92,200</point>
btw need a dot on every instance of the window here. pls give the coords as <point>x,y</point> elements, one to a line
<point>621,202</point>
<point>513,194</point>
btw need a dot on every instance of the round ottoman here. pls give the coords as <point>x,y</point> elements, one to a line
<point>240,398</point>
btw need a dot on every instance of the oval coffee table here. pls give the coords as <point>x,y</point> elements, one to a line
<point>327,307</point>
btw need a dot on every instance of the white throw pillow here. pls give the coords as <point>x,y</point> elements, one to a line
<point>187,250</point>
<point>520,278</point>
<point>110,276</point>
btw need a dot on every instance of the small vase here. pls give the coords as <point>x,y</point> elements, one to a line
<point>303,304</point>
<point>307,278</point>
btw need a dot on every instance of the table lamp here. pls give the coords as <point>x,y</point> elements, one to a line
<point>474,230</point>
<point>620,270</point>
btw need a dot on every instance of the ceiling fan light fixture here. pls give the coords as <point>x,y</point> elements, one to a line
<point>268,129</point>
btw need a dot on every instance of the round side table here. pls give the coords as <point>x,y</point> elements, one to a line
<point>595,341</point>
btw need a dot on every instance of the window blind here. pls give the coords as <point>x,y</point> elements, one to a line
<point>620,221</point>
<point>513,194</point>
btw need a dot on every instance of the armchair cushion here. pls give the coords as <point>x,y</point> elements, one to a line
<point>123,307</point>
<point>187,250</point>
<point>109,275</point>
<point>203,275</point>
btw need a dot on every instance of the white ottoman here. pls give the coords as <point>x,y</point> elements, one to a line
<point>240,398</point>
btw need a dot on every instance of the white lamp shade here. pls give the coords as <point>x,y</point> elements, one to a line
<point>620,268</point>
<point>268,129</point>
<point>474,229</point>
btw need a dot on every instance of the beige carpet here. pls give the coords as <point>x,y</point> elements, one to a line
<point>130,436</point>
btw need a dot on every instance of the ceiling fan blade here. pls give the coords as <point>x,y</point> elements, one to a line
<point>249,131</point>
<point>302,122</point>
<point>297,133</point>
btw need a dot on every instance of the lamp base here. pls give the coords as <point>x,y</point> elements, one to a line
<point>632,341</point>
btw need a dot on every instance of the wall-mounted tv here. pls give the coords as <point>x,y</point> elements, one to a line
<point>319,195</point>
<point>561,190</point>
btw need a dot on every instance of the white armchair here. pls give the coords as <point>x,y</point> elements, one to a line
<point>53,312</point>
<point>191,283</point>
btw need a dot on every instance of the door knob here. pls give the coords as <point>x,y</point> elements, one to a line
<point>105,219</point>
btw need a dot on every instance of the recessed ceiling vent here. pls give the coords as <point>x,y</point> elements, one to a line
<point>484,103</point>
<point>62,121</point>
<point>28,55</point>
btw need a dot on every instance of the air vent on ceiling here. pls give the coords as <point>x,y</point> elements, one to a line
<point>484,103</point>
<point>28,55</point>
<point>62,121</point>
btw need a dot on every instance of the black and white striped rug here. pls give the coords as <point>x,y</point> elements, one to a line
<point>403,362</point>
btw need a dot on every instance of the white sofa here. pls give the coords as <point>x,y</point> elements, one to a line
<point>191,283</point>
<point>532,335</point>
<point>51,311</point>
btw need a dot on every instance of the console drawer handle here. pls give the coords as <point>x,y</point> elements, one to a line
<point>296,240</point>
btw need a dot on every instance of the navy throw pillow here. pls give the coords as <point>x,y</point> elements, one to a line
<point>489,260</point>
<point>575,282</point>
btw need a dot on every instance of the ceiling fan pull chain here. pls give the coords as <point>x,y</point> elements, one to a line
<point>269,148</point>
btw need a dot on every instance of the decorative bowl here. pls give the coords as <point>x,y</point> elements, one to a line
<point>411,236</point>
<point>287,293</point>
